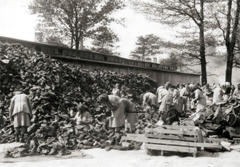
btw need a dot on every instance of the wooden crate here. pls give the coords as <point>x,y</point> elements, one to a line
<point>172,138</point>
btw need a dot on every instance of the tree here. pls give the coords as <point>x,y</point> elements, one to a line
<point>173,13</point>
<point>52,40</point>
<point>73,20</point>
<point>147,45</point>
<point>228,23</point>
<point>104,40</point>
<point>174,61</point>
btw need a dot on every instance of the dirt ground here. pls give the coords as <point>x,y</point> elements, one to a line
<point>115,158</point>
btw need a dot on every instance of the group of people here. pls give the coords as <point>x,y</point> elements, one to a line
<point>168,101</point>
<point>172,101</point>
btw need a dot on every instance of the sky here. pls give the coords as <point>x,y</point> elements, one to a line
<point>17,22</point>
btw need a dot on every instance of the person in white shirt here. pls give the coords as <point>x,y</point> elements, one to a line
<point>217,94</point>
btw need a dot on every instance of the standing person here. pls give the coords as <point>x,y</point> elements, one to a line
<point>199,98</point>
<point>177,100</point>
<point>208,92</point>
<point>166,102</point>
<point>217,94</point>
<point>20,113</point>
<point>116,90</point>
<point>185,93</point>
<point>227,91</point>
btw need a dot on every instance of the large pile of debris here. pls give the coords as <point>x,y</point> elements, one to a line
<point>55,89</point>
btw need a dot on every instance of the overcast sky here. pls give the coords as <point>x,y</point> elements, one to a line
<point>16,22</point>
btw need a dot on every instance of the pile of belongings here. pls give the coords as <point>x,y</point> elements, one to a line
<point>55,89</point>
<point>220,120</point>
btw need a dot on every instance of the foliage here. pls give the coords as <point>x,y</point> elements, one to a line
<point>73,20</point>
<point>226,15</point>
<point>188,14</point>
<point>146,46</point>
<point>174,61</point>
<point>104,40</point>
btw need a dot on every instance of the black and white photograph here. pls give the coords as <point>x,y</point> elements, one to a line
<point>119,83</point>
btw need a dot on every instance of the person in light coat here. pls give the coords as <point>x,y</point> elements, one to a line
<point>120,108</point>
<point>20,113</point>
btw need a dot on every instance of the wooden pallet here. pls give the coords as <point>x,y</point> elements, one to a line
<point>171,138</point>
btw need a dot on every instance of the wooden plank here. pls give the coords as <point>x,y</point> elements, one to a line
<point>171,148</point>
<point>217,140</point>
<point>166,131</point>
<point>234,135</point>
<point>178,127</point>
<point>135,135</point>
<point>171,137</point>
<point>173,142</point>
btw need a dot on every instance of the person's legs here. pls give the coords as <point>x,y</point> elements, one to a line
<point>23,131</point>
<point>17,132</point>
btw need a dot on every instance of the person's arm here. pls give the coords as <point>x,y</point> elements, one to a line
<point>197,95</point>
<point>11,109</point>
<point>30,107</point>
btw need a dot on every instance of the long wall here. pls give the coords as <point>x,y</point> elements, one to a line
<point>161,76</point>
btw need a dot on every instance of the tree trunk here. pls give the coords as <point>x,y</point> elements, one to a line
<point>203,59</point>
<point>228,74</point>
<point>77,44</point>
<point>202,48</point>
<point>231,41</point>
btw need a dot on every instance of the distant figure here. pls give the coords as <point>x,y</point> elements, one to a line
<point>20,113</point>
<point>123,92</point>
<point>217,94</point>
<point>236,93</point>
<point>165,100</point>
<point>83,118</point>
<point>116,90</point>
<point>199,98</point>
<point>185,94</point>
<point>227,91</point>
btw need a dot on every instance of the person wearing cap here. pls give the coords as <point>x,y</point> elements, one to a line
<point>20,113</point>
